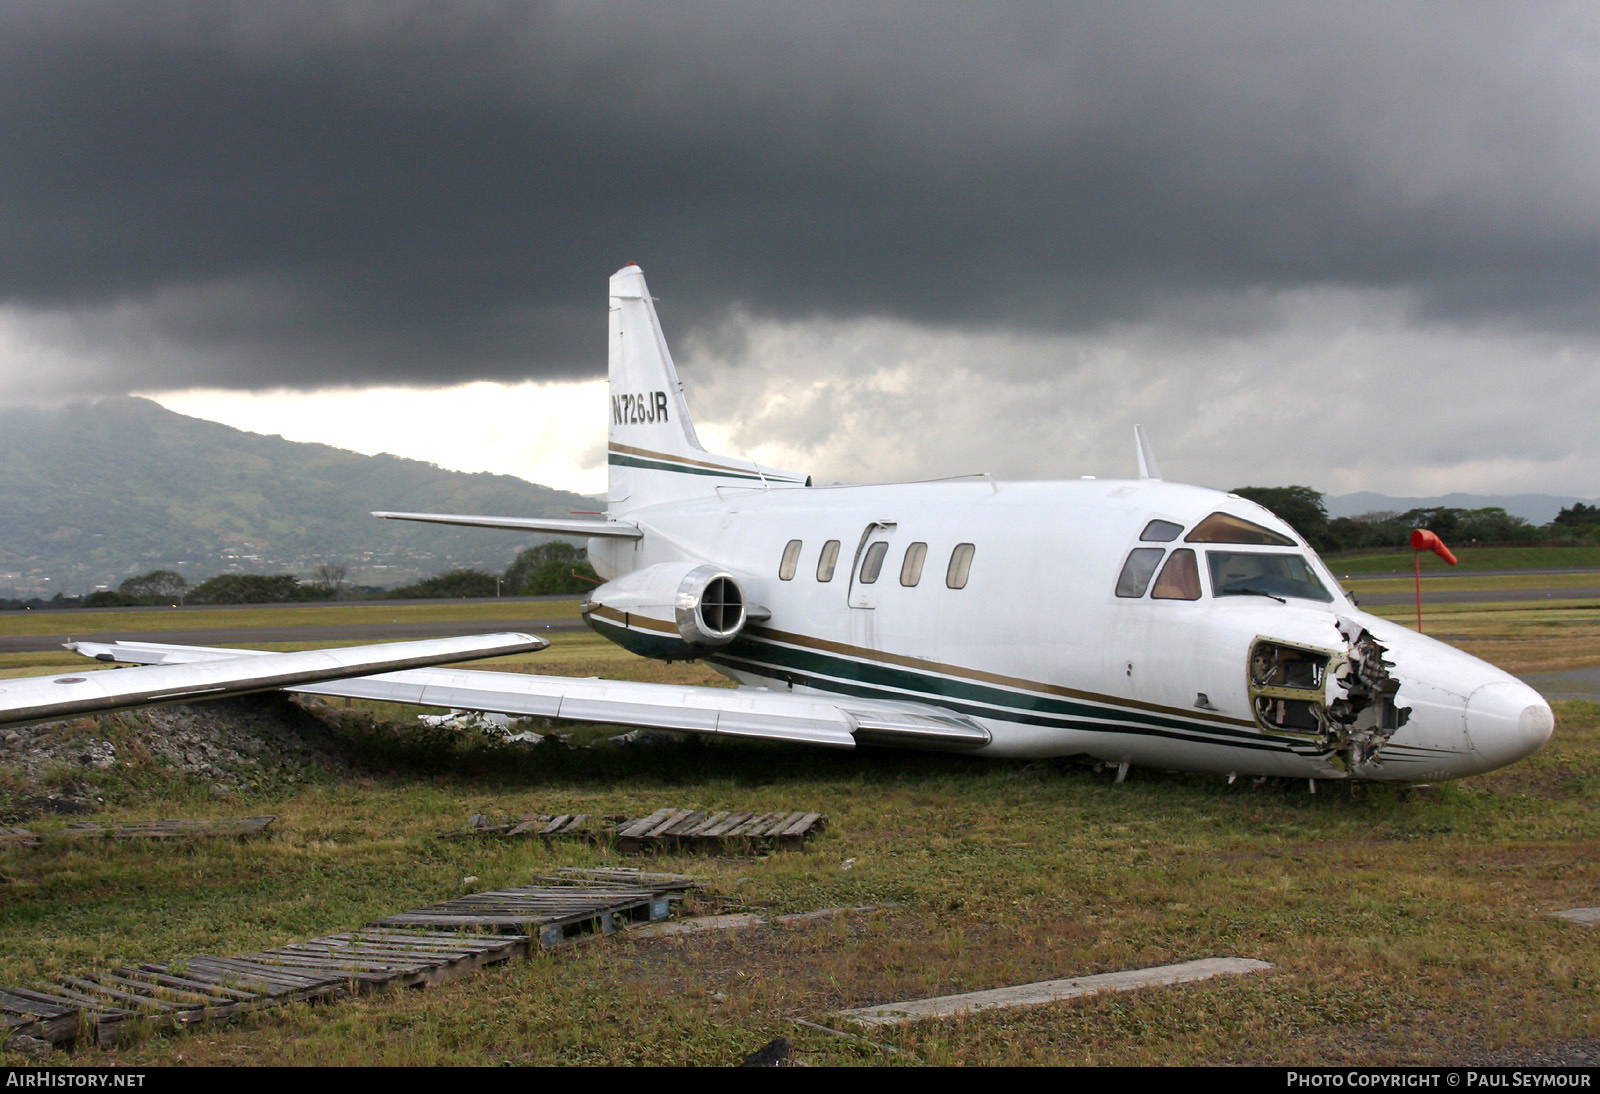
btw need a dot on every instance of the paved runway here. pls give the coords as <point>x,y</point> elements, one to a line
<point>1571,684</point>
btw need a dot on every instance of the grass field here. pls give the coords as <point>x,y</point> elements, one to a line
<point>1467,558</point>
<point>1440,586</point>
<point>1406,928</point>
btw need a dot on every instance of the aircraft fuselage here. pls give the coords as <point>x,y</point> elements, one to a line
<point>1039,647</point>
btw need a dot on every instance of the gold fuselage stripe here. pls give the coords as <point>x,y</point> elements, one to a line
<point>925,665</point>
<point>644,622</point>
<point>630,619</point>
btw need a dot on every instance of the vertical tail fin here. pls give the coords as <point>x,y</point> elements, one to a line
<point>654,453</point>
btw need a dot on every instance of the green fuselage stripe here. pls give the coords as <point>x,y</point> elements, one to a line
<point>618,459</point>
<point>868,680</point>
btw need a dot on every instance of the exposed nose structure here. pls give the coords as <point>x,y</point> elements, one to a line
<point>1506,721</point>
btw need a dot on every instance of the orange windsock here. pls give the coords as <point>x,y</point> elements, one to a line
<point>1424,540</point>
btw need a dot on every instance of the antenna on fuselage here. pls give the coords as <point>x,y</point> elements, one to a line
<point>1147,458</point>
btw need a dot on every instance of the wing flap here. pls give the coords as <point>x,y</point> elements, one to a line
<point>742,712</point>
<point>916,725</point>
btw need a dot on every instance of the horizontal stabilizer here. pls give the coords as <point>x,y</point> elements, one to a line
<point>754,713</point>
<point>588,529</point>
<point>40,699</point>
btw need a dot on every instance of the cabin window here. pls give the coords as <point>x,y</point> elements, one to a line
<point>955,577</point>
<point>791,560</point>
<point>1258,573</point>
<point>872,564</point>
<point>1180,578</point>
<point>827,560</point>
<point>1160,531</point>
<point>1227,528</point>
<point>1136,572</point>
<point>911,568</point>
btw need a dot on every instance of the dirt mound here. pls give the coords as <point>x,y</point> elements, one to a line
<point>228,746</point>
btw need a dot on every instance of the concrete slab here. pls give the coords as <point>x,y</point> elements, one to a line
<point>1588,917</point>
<point>1051,991</point>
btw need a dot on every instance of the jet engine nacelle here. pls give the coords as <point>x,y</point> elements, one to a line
<point>672,611</point>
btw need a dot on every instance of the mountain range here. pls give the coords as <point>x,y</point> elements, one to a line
<point>95,492</point>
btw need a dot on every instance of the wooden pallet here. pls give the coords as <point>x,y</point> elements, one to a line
<point>552,914</point>
<point>415,949</point>
<point>665,827</point>
<point>524,825</point>
<point>173,829</point>
<point>108,1006</point>
<point>26,1013</point>
<point>675,885</point>
<point>377,957</point>
<point>673,827</point>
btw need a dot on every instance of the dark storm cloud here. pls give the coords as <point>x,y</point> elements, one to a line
<point>435,192</point>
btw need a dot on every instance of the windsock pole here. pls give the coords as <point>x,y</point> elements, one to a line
<point>1424,540</point>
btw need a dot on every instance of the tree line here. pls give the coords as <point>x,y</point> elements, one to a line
<point>560,567</point>
<point>1302,509</point>
<point>555,567</point>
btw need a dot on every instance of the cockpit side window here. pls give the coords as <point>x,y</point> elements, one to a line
<point>1227,528</point>
<point>1136,571</point>
<point>1262,573</point>
<point>1160,531</point>
<point>1180,578</point>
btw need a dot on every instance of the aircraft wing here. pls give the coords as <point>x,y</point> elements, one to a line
<point>589,529</point>
<point>758,713</point>
<point>225,672</point>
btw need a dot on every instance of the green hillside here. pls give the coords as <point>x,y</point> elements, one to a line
<point>96,492</point>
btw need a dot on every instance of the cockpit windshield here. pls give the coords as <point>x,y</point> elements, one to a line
<point>1258,573</point>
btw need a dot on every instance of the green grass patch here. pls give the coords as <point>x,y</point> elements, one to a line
<point>1441,586</point>
<point>1468,558</point>
<point>1406,928</point>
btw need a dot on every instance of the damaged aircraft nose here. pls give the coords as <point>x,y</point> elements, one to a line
<point>1396,706</point>
<point>1467,717</point>
<point>1506,721</point>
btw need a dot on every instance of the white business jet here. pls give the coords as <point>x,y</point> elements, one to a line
<point>1134,622</point>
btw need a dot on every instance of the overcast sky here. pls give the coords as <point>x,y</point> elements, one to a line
<point>1349,245</point>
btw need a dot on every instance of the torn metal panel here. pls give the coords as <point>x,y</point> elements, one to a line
<point>1342,699</point>
<point>1362,698</point>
